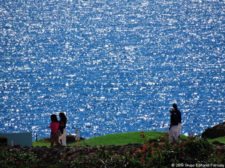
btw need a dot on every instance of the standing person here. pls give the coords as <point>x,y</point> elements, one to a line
<point>62,128</point>
<point>54,126</point>
<point>179,118</point>
<point>173,130</point>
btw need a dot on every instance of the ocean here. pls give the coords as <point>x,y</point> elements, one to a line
<point>111,65</point>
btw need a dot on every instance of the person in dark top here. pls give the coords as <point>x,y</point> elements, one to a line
<point>177,111</point>
<point>173,118</point>
<point>175,124</point>
<point>62,128</point>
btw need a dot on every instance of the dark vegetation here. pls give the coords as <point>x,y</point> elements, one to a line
<point>151,153</point>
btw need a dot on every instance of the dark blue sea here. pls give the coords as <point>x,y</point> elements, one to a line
<point>111,65</point>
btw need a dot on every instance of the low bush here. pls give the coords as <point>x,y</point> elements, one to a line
<point>163,154</point>
<point>153,153</point>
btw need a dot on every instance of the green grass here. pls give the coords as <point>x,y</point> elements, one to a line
<point>110,139</point>
<point>41,143</point>
<point>220,140</point>
<point>121,138</point>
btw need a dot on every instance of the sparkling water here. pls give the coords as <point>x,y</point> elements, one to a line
<point>111,65</point>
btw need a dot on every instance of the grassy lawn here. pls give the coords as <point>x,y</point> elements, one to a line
<point>41,143</point>
<point>119,139</point>
<point>220,140</point>
<point>110,139</point>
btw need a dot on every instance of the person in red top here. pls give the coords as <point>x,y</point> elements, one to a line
<point>54,126</point>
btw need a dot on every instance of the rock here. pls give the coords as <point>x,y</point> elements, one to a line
<point>72,138</point>
<point>215,132</point>
<point>220,149</point>
<point>3,141</point>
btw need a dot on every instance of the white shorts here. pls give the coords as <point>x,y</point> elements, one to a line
<point>62,138</point>
<point>173,133</point>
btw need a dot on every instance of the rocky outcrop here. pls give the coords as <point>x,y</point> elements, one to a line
<point>3,141</point>
<point>215,132</point>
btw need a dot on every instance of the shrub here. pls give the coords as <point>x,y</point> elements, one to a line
<point>198,150</point>
<point>17,159</point>
<point>162,154</point>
